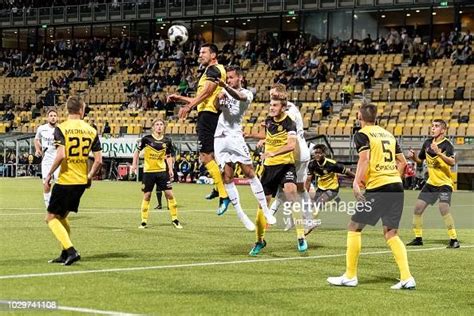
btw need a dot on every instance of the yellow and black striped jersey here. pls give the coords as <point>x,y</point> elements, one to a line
<point>277,133</point>
<point>383,148</point>
<point>326,173</point>
<point>78,139</point>
<point>155,152</point>
<point>439,172</point>
<point>212,73</point>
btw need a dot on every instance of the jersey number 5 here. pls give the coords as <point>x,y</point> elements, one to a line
<point>387,151</point>
<point>74,150</point>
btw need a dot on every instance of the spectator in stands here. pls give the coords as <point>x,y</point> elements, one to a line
<point>419,81</point>
<point>8,117</point>
<point>467,38</point>
<point>348,92</point>
<point>92,123</point>
<point>354,69</point>
<point>106,129</point>
<point>326,106</point>
<point>395,77</point>
<point>369,74</point>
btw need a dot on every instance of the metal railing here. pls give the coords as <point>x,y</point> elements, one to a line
<point>151,10</point>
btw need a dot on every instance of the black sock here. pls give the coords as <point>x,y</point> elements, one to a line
<point>159,196</point>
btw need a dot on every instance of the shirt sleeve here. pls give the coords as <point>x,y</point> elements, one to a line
<point>310,169</point>
<point>213,73</point>
<point>448,149</point>
<point>169,147</point>
<point>141,144</point>
<point>422,153</point>
<point>361,142</point>
<point>249,96</point>
<point>339,168</point>
<point>291,127</point>
<point>96,146</point>
<point>38,133</point>
<point>59,139</point>
<point>398,150</point>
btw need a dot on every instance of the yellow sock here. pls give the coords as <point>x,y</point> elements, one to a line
<point>400,253</point>
<point>261,223</point>
<point>215,173</point>
<point>354,244</point>
<point>65,223</point>
<point>418,225</point>
<point>449,222</point>
<point>60,233</point>
<point>144,210</point>
<point>299,224</point>
<point>173,209</point>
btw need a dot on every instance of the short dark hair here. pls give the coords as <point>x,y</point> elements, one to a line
<point>74,105</point>
<point>321,147</point>
<point>283,100</point>
<point>237,70</point>
<point>368,113</point>
<point>212,47</point>
<point>51,110</point>
<point>442,122</point>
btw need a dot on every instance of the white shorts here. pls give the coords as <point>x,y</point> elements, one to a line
<point>231,149</point>
<point>301,171</point>
<point>46,167</point>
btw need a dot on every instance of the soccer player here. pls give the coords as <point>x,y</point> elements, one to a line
<point>207,92</point>
<point>326,171</point>
<point>439,155</point>
<point>279,168</point>
<point>379,168</point>
<point>74,140</point>
<point>230,146</point>
<point>158,170</point>
<point>302,157</point>
<point>45,148</point>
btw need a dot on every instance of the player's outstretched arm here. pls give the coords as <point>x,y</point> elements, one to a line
<point>349,173</point>
<point>234,93</point>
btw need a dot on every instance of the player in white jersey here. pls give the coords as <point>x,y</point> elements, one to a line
<point>230,146</point>
<point>45,148</point>
<point>302,157</point>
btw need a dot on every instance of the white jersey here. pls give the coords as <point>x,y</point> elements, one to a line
<point>230,120</point>
<point>45,134</point>
<point>302,151</point>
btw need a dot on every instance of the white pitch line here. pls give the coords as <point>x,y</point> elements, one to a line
<point>204,264</point>
<point>93,311</point>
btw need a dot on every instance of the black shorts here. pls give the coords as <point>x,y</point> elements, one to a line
<point>65,198</point>
<point>274,177</point>
<point>430,194</point>
<point>331,194</point>
<point>161,179</point>
<point>385,202</point>
<point>206,127</point>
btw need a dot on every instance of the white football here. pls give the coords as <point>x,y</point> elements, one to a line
<point>178,34</point>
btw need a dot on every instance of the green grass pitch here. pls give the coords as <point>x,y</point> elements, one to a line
<point>205,269</point>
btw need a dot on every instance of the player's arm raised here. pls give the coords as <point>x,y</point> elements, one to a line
<point>234,93</point>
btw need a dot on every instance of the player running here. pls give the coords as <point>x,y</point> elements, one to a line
<point>74,140</point>
<point>302,157</point>
<point>326,171</point>
<point>230,146</point>
<point>279,168</point>
<point>379,169</point>
<point>439,155</point>
<point>207,92</point>
<point>45,148</point>
<point>158,170</point>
